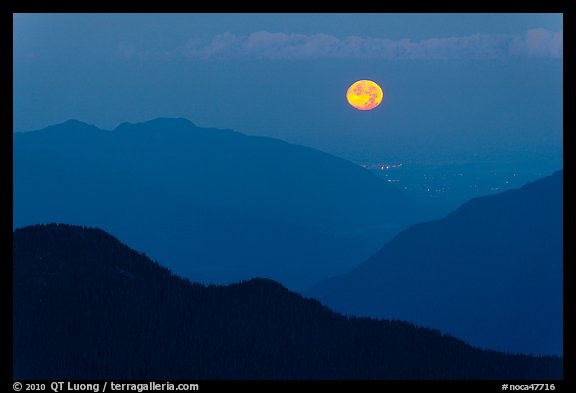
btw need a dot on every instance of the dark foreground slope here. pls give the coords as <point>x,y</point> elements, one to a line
<point>489,273</point>
<point>179,192</point>
<point>86,306</point>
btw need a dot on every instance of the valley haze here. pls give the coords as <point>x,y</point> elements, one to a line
<point>219,207</point>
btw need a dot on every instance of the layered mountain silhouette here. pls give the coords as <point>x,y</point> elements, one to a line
<point>489,273</point>
<point>88,307</point>
<point>235,205</point>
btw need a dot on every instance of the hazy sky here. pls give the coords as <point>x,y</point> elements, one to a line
<point>454,84</point>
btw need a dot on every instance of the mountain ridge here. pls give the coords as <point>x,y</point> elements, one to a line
<point>173,176</point>
<point>491,263</point>
<point>88,307</point>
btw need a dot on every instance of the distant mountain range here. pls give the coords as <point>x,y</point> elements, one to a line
<point>215,205</point>
<point>489,273</point>
<point>88,307</point>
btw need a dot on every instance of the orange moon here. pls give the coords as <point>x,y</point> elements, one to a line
<point>364,95</point>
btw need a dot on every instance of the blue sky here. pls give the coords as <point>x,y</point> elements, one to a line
<point>455,85</point>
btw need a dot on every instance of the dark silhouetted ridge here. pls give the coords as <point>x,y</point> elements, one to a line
<point>88,307</point>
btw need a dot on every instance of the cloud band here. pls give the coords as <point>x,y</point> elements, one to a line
<point>535,43</point>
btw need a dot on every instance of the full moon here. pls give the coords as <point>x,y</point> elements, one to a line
<point>364,95</point>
